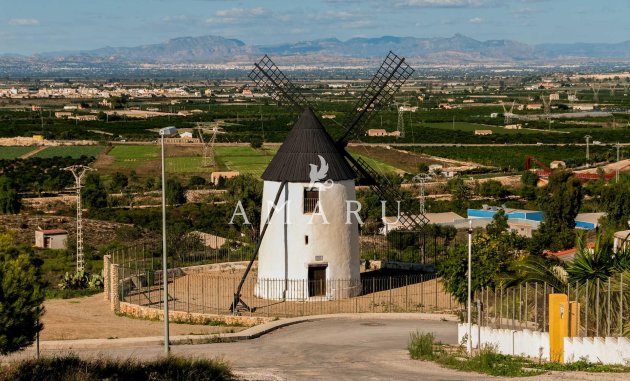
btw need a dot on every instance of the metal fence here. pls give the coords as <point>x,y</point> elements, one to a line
<point>212,293</point>
<point>604,306</point>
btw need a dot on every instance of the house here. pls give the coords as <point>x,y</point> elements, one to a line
<point>186,135</point>
<point>382,132</point>
<point>563,255</point>
<point>621,240</point>
<point>554,97</point>
<point>84,118</point>
<point>494,114</point>
<point>329,116</point>
<point>511,214</point>
<point>62,114</point>
<point>483,132</point>
<point>534,106</point>
<point>557,164</point>
<point>588,221</point>
<point>215,176</point>
<point>513,126</point>
<point>56,239</point>
<point>445,219</point>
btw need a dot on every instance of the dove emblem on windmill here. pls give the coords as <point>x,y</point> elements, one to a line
<point>317,175</point>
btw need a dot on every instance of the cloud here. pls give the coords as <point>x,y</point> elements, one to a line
<point>444,3</point>
<point>176,19</point>
<point>475,20</point>
<point>23,22</point>
<point>241,12</point>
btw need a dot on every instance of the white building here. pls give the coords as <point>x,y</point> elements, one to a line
<point>311,246</point>
<point>56,239</point>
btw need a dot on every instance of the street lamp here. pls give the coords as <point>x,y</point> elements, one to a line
<point>165,132</point>
<point>469,341</point>
<point>588,156</point>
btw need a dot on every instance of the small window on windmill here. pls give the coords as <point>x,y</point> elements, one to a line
<point>306,240</point>
<point>311,198</point>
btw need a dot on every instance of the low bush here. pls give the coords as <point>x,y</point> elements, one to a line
<point>72,368</point>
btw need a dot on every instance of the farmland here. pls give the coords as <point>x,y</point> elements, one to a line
<point>70,151</point>
<point>514,157</point>
<point>10,153</point>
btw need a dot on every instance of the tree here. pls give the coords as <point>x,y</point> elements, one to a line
<point>616,203</point>
<point>256,143</point>
<point>93,193</point>
<point>196,181</point>
<point>175,193</point>
<point>529,178</point>
<point>21,297</point>
<point>10,201</point>
<point>498,225</point>
<point>492,188</point>
<point>119,182</point>
<point>491,257</point>
<point>560,201</point>
<point>423,168</point>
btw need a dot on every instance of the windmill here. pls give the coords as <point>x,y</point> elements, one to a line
<point>508,114</point>
<point>208,146</point>
<point>285,176</point>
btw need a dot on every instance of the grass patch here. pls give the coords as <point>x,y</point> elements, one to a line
<point>73,368</point>
<point>70,151</point>
<point>422,346</point>
<point>190,321</point>
<point>245,160</point>
<point>11,153</point>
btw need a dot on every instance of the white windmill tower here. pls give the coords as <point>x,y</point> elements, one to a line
<point>310,240</point>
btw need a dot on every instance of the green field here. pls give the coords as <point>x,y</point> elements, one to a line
<point>245,160</point>
<point>70,151</point>
<point>10,153</point>
<point>186,164</point>
<point>514,157</point>
<point>379,166</point>
<point>131,157</point>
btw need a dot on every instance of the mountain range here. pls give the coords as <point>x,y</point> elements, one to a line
<point>455,49</point>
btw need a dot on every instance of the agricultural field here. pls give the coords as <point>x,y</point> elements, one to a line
<point>70,151</point>
<point>514,157</point>
<point>125,158</point>
<point>471,127</point>
<point>245,160</point>
<point>10,153</point>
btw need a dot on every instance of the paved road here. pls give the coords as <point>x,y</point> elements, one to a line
<point>335,349</point>
<point>338,349</point>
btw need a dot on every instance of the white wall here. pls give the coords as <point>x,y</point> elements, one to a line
<point>509,342</point>
<point>608,350</point>
<point>337,243</point>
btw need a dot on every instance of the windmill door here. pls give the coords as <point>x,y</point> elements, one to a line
<point>317,280</point>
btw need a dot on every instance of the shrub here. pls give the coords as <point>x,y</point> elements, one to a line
<point>73,368</point>
<point>421,346</point>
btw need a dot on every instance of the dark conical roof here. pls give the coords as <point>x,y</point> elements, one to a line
<point>306,141</point>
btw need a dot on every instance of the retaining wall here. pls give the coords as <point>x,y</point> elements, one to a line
<point>191,318</point>
<point>607,350</point>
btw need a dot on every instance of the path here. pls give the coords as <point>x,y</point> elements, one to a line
<point>91,318</point>
<point>33,152</point>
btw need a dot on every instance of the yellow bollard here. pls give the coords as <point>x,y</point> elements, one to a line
<point>558,325</point>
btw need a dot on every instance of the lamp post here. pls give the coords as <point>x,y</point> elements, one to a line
<point>469,341</point>
<point>588,156</point>
<point>165,132</point>
<point>617,171</point>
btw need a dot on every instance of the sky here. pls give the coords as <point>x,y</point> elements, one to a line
<point>32,26</point>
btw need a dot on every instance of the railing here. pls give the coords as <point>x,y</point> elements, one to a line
<point>604,306</point>
<point>310,203</point>
<point>212,293</point>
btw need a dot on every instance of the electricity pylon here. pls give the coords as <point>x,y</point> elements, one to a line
<point>79,171</point>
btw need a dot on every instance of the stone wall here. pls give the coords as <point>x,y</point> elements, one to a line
<point>142,312</point>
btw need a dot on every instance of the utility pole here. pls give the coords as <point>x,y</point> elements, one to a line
<point>79,171</point>
<point>588,156</point>
<point>617,171</point>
